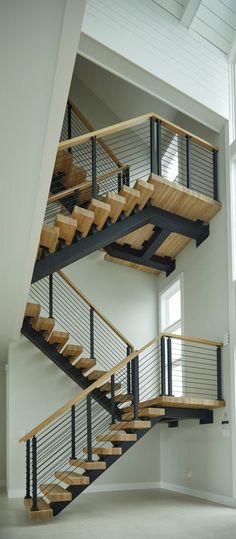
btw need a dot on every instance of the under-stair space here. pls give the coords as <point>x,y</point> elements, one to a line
<point>140,190</point>
<point>69,450</point>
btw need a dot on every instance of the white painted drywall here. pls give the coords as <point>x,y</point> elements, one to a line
<point>203,451</point>
<point>149,37</point>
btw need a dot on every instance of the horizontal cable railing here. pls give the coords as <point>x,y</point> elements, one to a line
<point>95,163</point>
<point>168,366</point>
<point>87,326</point>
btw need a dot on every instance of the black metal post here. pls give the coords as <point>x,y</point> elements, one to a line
<point>73,432</point>
<point>188,160</point>
<point>128,372</point>
<point>158,146</point>
<point>113,414</point>
<point>94,167</point>
<point>219,374</point>
<point>89,429</point>
<point>215,174</point>
<point>169,366</point>
<point>127,177</point>
<point>34,475</point>
<point>27,493</point>
<point>135,386</point>
<point>69,131</point>
<point>163,367</point>
<point>51,295</point>
<point>119,183</point>
<point>152,146</point>
<point>91,332</point>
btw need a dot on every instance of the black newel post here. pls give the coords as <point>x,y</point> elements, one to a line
<point>34,475</point>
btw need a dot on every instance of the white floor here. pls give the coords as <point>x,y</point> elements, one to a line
<point>123,515</point>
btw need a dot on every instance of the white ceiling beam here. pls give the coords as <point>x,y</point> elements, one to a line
<point>190,12</point>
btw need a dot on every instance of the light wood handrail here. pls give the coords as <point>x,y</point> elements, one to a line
<point>100,313</point>
<point>99,133</point>
<point>106,376</point>
<point>89,126</point>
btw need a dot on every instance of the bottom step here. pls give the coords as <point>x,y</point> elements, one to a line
<point>44,510</point>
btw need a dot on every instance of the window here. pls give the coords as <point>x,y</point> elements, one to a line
<point>171,321</point>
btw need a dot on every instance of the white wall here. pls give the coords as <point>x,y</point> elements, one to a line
<point>149,37</point>
<point>203,450</point>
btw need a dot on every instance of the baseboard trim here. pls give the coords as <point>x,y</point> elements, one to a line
<point>204,495</point>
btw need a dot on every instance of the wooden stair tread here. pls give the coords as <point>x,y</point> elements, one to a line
<point>105,450</point>
<point>55,493</point>
<point>101,212</point>
<point>84,219</point>
<point>106,388</point>
<point>63,162</point>
<point>133,424</point>
<point>32,310</point>
<point>43,324</point>
<point>145,412</point>
<point>44,510</point>
<point>121,397</point>
<point>72,478</point>
<point>146,191</point>
<point>49,237</point>
<point>88,465</point>
<point>72,350</point>
<point>85,363</point>
<point>131,196</point>
<point>116,437</point>
<point>117,204</point>
<point>58,338</point>
<point>67,227</point>
<point>75,176</point>
<point>95,375</point>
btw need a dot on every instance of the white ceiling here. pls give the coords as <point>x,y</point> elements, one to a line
<point>214,20</point>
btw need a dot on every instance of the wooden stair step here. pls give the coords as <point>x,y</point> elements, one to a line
<point>117,204</point>
<point>105,451</point>
<point>145,412</point>
<point>63,162</point>
<point>132,197</point>
<point>85,363</point>
<point>55,493</point>
<point>120,398</point>
<point>88,465</point>
<point>135,424</point>
<point>72,478</point>
<point>67,227</point>
<point>84,219</point>
<point>44,324</point>
<point>146,191</point>
<point>49,237</point>
<point>32,310</point>
<point>116,437</point>
<point>72,351</point>
<point>44,510</point>
<point>95,375</point>
<point>59,338</point>
<point>75,176</point>
<point>106,388</point>
<point>101,212</point>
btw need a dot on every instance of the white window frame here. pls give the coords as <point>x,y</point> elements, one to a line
<point>164,295</point>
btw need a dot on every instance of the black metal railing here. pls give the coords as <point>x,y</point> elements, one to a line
<point>104,162</point>
<point>86,325</point>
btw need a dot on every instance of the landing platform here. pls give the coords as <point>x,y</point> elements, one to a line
<point>184,402</point>
<point>178,200</point>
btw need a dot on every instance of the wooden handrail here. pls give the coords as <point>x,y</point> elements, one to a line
<point>99,313</point>
<point>99,133</point>
<point>106,376</point>
<point>89,126</point>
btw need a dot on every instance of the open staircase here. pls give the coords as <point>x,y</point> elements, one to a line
<point>102,196</point>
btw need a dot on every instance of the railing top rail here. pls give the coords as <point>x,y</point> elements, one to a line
<point>100,313</point>
<point>104,378</point>
<point>99,133</point>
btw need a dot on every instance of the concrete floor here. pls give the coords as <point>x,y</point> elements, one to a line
<point>123,515</point>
